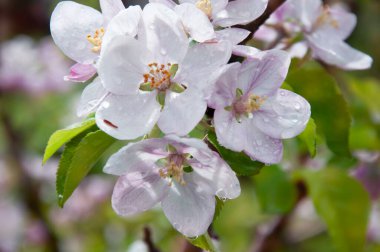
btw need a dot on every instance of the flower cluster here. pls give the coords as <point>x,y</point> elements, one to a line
<point>165,65</point>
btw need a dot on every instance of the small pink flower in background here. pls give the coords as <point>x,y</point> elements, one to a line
<point>368,172</point>
<point>181,173</point>
<point>323,29</point>
<point>252,113</point>
<point>34,67</point>
<point>157,78</point>
<point>78,30</point>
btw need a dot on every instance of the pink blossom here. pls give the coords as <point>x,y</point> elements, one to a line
<point>252,113</point>
<point>181,173</point>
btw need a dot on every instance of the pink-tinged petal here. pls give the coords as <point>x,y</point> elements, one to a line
<point>266,34</point>
<point>195,22</point>
<point>110,8</point>
<point>123,64</point>
<point>298,50</point>
<point>240,12</point>
<point>91,98</point>
<point>124,23</point>
<point>187,145</point>
<point>182,112</point>
<point>244,51</point>
<point>306,12</point>
<point>136,157</point>
<point>128,116</point>
<point>163,33</point>
<point>230,133</point>
<point>218,6</point>
<point>260,146</point>
<point>168,3</point>
<point>137,192</point>
<point>346,21</point>
<point>81,73</point>
<point>70,25</point>
<point>264,73</point>
<point>283,115</point>
<point>234,35</point>
<point>189,208</point>
<point>201,61</point>
<point>332,50</point>
<point>216,175</point>
<point>224,90</point>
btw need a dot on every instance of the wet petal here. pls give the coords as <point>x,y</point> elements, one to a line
<point>110,8</point>
<point>332,50</point>
<point>240,12</point>
<point>264,73</point>
<point>135,157</point>
<point>189,208</point>
<point>91,97</point>
<point>182,112</point>
<point>70,24</point>
<point>128,116</point>
<point>123,65</point>
<point>124,23</point>
<point>230,133</point>
<point>196,23</point>
<point>214,173</point>
<point>234,35</point>
<point>81,73</point>
<point>260,146</point>
<point>163,33</point>
<point>284,115</point>
<point>137,192</point>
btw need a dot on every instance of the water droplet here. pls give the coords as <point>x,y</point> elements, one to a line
<point>177,226</point>
<point>282,93</point>
<point>221,193</point>
<point>60,196</point>
<point>163,51</point>
<point>259,142</point>
<point>151,26</point>
<point>297,106</point>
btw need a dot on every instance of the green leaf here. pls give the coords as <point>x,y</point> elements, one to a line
<point>309,137</point>
<point>204,242</point>
<point>328,107</point>
<point>275,191</point>
<point>60,137</point>
<point>79,156</point>
<point>343,204</point>
<point>238,161</point>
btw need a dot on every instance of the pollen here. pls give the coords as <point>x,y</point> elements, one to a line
<point>326,18</point>
<point>96,40</point>
<point>158,75</point>
<point>174,169</point>
<point>246,105</point>
<point>205,6</point>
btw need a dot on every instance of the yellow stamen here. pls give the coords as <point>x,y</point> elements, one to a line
<point>205,6</point>
<point>96,40</point>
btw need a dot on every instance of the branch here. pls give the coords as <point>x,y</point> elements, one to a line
<point>148,240</point>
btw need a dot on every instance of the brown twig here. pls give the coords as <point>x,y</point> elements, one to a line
<point>148,240</point>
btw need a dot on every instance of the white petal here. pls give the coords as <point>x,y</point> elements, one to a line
<point>224,90</point>
<point>265,73</point>
<point>124,23</point>
<point>217,6</point>
<point>169,3</point>
<point>137,192</point>
<point>346,21</point>
<point>110,8</point>
<point>234,35</point>
<point>260,146</point>
<point>70,24</point>
<point>163,33</point>
<point>91,97</point>
<point>332,50</point>
<point>196,22</point>
<point>182,112</point>
<point>128,116</point>
<point>284,115</point>
<point>216,174</point>
<point>189,208</point>
<point>123,65</point>
<point>244,51</point>
<point>240,12</point>
<point>201,61</point>
<point>136,157</point>
<point>305,11</point>
<point>230,133</point>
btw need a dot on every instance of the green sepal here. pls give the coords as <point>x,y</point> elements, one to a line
<point>239,93</point>
<point>177,88</point>
<point>173,70</point>
<point>161,98</point>
<point>187,169</point>
<point>147,86</point>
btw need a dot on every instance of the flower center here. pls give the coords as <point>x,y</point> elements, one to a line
<point>174,168</point>
<point>205,6</point>
<point>158,76</point>
<point>96,40</point>
<point>245,104</point>
<point>326,18</point>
